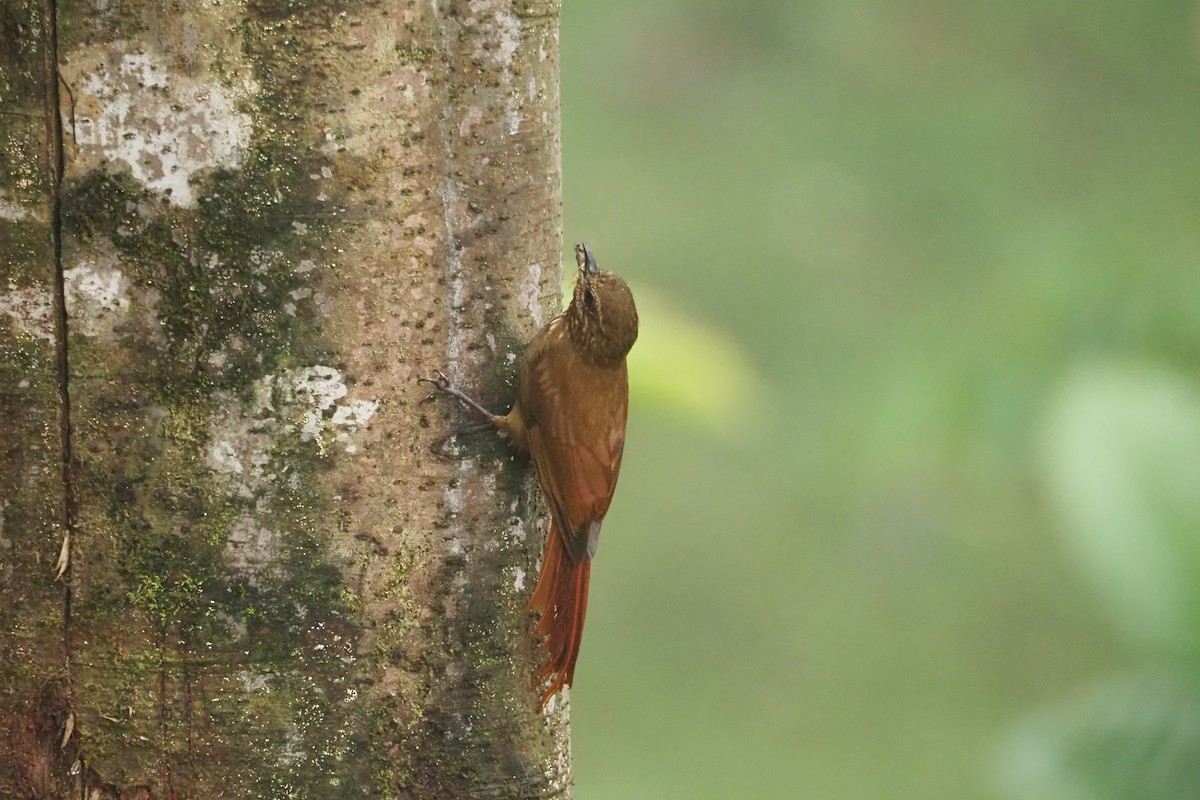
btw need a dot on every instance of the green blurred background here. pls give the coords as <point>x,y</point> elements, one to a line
<point>911,497</point>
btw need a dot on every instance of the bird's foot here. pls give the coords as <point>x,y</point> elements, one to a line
<point>441,385</point>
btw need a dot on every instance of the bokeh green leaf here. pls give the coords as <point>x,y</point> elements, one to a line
<point>1121,458</point>
<point>1133,738</point>
<point>691,371</point>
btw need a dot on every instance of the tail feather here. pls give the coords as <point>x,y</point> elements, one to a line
<point>561,598</point>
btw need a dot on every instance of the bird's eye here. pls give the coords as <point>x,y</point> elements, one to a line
<point>589,297</point>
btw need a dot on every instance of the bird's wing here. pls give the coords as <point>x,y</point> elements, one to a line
<point>576,438</point>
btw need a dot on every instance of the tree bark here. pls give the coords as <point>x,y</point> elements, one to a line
<point>281,575</point>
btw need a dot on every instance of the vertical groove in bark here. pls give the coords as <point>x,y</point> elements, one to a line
<point>54,174</point>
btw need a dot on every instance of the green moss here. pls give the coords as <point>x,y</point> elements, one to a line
<point>407,54</point>
<point>209,287</point>
<point>20,56</point>
<point>402,619</point>
<point>23,255</point>
<point>167,598</point>
<point>223,271</point>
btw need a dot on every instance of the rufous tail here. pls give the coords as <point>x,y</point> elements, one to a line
<point>561,598</point>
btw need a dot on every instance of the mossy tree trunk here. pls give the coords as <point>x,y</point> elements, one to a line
<point>280,576</point>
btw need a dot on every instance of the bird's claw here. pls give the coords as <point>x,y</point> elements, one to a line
<point>440,384</point>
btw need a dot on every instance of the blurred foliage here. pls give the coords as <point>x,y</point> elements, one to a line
<point>685,369</point>
<point>1134,738</point>
<point>1122,467</point>
<point>1121,460</point>
<point>914,225</point>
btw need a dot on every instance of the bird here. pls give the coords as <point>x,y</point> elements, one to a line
<point>570,415</point>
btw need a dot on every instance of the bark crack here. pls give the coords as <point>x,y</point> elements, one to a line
<point>55,168</point>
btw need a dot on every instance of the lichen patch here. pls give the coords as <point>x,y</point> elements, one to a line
<point>166,127</point>
<point>302,404</point>
<point>97,292</point>
<point>10,210</point>
<point>31,308</point>
<point>531,294</point>
<point>252,549</point>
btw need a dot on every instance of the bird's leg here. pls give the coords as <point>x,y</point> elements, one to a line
<point>441,385</point>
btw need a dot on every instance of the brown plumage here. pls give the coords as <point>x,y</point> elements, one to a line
<point>570,416</point>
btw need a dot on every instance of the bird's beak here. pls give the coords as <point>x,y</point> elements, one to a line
<point>585,259</point>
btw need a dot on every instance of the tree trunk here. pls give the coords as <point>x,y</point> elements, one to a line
<point>257,225</point>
